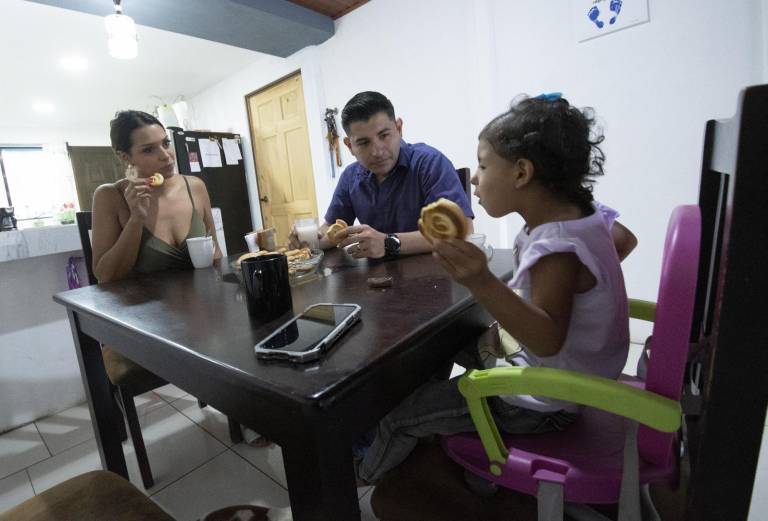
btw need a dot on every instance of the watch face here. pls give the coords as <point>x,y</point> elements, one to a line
<point>391,245</point>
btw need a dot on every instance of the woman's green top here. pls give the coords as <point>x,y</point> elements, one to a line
<point>157,255</point>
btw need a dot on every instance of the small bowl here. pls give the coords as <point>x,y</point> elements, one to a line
<point>296,269</point>
<point>302,268</point>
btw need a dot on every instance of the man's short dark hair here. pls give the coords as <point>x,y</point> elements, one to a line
<point>363,106</point>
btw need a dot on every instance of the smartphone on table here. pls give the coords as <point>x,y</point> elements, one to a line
<point>309,335</point>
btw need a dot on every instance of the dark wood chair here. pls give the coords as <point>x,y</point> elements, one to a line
<point>464,176</point>
<point>128,378</point>
<point>92,496</point>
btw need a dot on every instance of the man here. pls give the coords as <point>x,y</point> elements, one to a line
<point>388,185</point>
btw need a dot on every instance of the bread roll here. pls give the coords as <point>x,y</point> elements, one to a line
<point>334,229</point>
<point>443,219</point>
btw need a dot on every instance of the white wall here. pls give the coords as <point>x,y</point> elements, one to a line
<point>40,135</point>
<point>39,374</point>
<point>449,66</point>
<point>653,87</point>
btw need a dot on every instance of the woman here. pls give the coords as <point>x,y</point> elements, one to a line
<point>142,228</point>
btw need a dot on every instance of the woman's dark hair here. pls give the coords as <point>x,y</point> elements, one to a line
<point>557,138</point>
<point>363,106</point>
<point>125,122</point>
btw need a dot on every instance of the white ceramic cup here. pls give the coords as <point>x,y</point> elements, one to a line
<point>250,240</point>
<point>201,251</point>
<point>478,239</point>
<point>306,230</point>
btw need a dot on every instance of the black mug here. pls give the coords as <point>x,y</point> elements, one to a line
<point>267,287</point>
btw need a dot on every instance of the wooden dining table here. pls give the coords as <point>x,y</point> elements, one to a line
<point>192,328</point>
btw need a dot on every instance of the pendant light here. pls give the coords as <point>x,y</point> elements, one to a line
<point>121,34</point>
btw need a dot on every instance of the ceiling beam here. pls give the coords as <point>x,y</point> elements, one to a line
<point>276,27</point>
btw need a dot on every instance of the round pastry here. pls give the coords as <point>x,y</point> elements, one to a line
<point>334,229</point>
<point>251,255</point>
<point>442,219</point>
<point>156,179</point>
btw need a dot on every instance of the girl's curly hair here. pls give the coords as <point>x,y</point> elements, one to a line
<point>557,138</point>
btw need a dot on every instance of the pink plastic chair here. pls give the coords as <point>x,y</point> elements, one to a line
<point>595,460</point>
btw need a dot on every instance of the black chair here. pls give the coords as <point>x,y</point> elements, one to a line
<point>130,379</point>
<point>464,176</point>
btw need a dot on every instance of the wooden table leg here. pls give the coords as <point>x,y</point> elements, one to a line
<point>321,480</point>
<point>104,413</point>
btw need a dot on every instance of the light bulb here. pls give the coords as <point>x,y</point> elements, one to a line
<point>121,36</point>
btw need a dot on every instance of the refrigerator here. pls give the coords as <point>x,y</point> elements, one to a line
<point>217,159</point>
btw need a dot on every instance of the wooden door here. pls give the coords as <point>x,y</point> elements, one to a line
<point>281,149</point>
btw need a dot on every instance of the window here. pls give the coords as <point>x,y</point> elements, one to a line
<point>34,182</point>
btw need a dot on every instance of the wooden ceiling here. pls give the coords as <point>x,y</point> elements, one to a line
<point>333,8</point>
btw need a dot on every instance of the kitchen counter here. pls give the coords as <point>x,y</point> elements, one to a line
<point>35,242</point>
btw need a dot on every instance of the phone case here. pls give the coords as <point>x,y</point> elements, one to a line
<point>319,349</point>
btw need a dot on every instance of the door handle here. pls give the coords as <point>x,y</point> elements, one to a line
<point>264,199</point>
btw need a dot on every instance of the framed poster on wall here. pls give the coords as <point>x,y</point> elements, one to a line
<point>593,18</point>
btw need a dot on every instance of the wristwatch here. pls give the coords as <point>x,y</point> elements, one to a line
<point>392,245</point>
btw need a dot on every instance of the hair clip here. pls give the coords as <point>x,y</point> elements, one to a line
<point>549,96</point>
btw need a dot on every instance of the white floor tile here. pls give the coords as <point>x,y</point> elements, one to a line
<point>208,418</point>
<point>148,402</point>
<point>758,509</point>
<point>70,463</point>
<point>457,370</point>
<point>14,489</point>
<point>269,460</point>
<point>21,448</point>
<point>366,512</point>
<point>635,350</point>
<point>66,429</point>
<point>170,393</point>
<point>175,445</point>
<point>226,480</point>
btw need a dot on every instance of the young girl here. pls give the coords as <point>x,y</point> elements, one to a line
<point>538,160</point>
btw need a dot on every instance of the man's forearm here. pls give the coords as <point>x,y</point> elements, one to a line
<point>412,243</point>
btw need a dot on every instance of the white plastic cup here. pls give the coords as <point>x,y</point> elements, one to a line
<point>250,240</point>
<point>201,251</point>
<point>306,230</point>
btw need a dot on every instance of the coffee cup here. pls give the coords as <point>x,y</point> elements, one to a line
<point>201,251</point>
<point>478,239</point>
<point>250,240</point>
<point>267,286</point>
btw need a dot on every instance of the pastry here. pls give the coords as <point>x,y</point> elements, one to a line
<point>334,229</point>
<point>251,255</point>
<point>442,219</point>
<point>156,179</point>
<point>379,282</point>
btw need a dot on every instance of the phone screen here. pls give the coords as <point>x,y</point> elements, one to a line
<point>309,329</point>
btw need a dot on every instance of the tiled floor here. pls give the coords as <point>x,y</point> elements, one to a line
<point>195,465</point>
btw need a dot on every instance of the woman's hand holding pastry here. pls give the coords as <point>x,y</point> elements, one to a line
<point>464,262</point>
<point>370,242</point>
<point>138,196</point>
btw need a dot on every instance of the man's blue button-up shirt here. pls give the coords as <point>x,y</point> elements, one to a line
<point>421,176</point>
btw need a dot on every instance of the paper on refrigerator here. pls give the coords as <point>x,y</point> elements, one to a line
<point>231,151</point>
<point>210,153</point>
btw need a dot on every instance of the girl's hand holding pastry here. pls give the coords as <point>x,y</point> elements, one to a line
<point>464,262</point>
